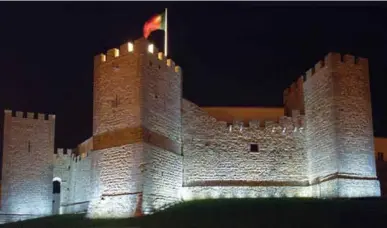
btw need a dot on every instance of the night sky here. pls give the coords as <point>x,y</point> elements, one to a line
<point>232,54</point>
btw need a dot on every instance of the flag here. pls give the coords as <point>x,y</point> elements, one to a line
<point>156,22</point>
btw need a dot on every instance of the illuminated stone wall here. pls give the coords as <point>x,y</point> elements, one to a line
<point>216,192</point>
<point>217,155</point>
<point>76,175</point>
<point>293,97</point>
<point>120,181</point>
<point>163,178</point>
<point>339,133</point>
<point>334,154</point>
<point>62,171</point>
<point>26,185</point>
<point>150,148</point>
<point>136,131</point>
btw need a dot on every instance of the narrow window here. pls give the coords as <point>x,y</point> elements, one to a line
<point>380,156</point>
<point>115,102</point>
<point>29,146</point>
<point>229,126</point>
<point>254,148</point>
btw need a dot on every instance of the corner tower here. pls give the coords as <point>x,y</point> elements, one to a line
<point>26,185</point>
<point>137,130</point>
<point>339,131</point>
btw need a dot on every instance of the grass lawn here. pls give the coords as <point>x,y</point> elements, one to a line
<point>311,213</point>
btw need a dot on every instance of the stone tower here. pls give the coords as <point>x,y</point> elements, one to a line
<point>339,131</point>
<point>136,130</point>
<point>27,178</point>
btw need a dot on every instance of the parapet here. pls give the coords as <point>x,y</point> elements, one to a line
<point>140,47</point>
<point>295,86</point>
<point>29,115</point>
<point>284,124</point>
<point>64,152</point>
<point>85,147</point>
<point>332,59</point>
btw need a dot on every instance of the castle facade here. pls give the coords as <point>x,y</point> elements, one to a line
<point>151,148</point>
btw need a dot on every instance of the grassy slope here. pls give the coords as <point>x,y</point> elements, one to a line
<point>242,213</point>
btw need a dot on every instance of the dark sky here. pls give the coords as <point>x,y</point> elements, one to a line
<point>237,54</point>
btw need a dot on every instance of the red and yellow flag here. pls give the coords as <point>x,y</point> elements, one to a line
<point>156,22</point>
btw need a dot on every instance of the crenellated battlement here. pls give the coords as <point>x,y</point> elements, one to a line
<point>29,115</point>
<point>71,154</point>
<point>139,47</point>
<point>64,152</point>
<point>332,59</point>
<point>284,123</point>
<point>295,86</point>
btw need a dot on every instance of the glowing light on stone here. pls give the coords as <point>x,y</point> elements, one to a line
<point>116,53</point>
<point>130,47</point>
<point>57,179</point>
<point>150,48</point>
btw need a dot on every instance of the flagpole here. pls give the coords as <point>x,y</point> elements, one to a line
<point>166,34</point>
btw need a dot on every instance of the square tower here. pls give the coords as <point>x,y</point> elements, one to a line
<point>26,184</point>
<point>339,131</point>
<point>136,130</point>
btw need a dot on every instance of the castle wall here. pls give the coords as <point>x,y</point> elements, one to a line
<point>339,133</point>
<point>117,132</point>
<point>320,123</point>
<point>140,126</point>
<point>217,192</point>
<point>27,175</point>
<point>120,181</point>
<point>117,84</point>
<point>80,185</point>
<point>354,115</point>
<point>76,175</point>
<point>230,114</point>
<point>217,155</point>
<point>62,171</point>
<point>161,113</point>
<point>163,178</point>
<point>162,93</point>
<point>293,97</point>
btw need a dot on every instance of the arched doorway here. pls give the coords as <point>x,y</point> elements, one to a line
<point>56,182</point>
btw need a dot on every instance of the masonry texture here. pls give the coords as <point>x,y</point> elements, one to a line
<point>151,148</point>
<point>27,163</point>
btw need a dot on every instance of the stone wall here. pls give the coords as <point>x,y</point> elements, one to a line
<point>339,133</point>
<point>163,178</point>
<point>355,142</point>
<point>162,93</point>
<point>62,172</point>
<point>216,192</point>
<point>116,102</point>
<point>216,155</point>
<point>320,123</point>
<point>27,175</point>
<point>76,175</point>
<point>120,181</point>
<point>137,121</point>
<point>293,97</point>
